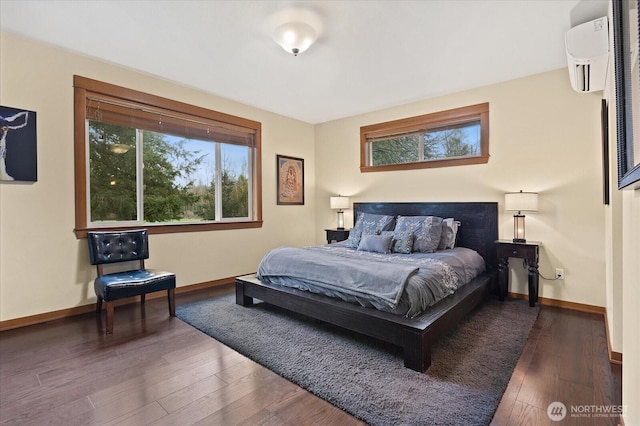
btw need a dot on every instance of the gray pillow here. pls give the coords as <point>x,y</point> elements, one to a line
<point>426,231</point>
<point>402,241</point>
<point>376,243</point>
<point>449,233</point>
<point>368,223</point>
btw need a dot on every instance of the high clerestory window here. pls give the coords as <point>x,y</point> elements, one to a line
<point>143,160</point>
<point>448,138</point>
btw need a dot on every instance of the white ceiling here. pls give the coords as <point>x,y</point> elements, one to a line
<point>369,55</point>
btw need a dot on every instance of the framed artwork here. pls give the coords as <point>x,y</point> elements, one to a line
<point>290,180</point>
<point>605,151</point>
<point>18,145</point>
<point>626,45</point>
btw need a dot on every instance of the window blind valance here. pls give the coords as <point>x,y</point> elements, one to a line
<point>126,107</point>
<point>111,111</point>
<point>384,134</point>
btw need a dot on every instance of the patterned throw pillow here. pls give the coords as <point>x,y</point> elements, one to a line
<point>402,241</point>
<point>354,237</point>
<point>375,243</point>
<point>368,223</point>
<point>426,231</point>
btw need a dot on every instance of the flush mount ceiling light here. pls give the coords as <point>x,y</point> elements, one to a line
<point>294,28</point>
<point>295,37</point>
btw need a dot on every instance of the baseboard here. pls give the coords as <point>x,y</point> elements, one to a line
<point>79,310</point>
<point>614,357</point>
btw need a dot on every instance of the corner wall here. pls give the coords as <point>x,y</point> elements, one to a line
<point>43,267</point>
<point>544,137</point>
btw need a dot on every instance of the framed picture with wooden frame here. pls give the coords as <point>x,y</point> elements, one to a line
<point>290,180</point>
<point>605,151</point>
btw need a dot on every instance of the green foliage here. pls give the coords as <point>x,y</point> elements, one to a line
<point>112,176</point>
<point>165,164</point>
<point>448,144</point>
<point>438,144</point>
<point>398,150</point>
<point>235,196</point>
<point>169,191</point>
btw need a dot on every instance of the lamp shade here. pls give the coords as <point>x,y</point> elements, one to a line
<point>339,202</point>
<point>521,201</point>
<point>294,37</point>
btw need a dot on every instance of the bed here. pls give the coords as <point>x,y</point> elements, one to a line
<point>478,231</point>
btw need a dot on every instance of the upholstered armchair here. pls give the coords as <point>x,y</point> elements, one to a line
<point>119,247</point>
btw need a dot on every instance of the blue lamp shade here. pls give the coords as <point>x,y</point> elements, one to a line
<point>340,203</point>
<point>520,202</point>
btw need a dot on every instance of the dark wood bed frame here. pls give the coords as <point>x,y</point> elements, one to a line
<point>479,231</point>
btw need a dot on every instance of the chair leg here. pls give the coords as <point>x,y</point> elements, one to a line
<point>171,296</point>
<point>142,298</point>
<point>110,317</point>
<point>99,305</point>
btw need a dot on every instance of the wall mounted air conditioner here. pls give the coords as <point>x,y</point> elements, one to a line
<point>588,55</point>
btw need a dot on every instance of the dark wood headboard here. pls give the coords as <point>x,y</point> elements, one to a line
<point>479,221</point>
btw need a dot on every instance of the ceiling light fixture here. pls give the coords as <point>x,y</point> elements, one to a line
<point>295,37</point>
<point>119,148</point>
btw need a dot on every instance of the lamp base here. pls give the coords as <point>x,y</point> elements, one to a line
<point>340,220</point>
<point>518,228</point>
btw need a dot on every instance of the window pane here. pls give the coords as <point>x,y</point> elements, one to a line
<point>175,178</point>
<point>168,170</point>
<point>453,142</point>
<point>112,180</point>
<point>398,150</point>
<point>454,137</point>
<point>235,181</point>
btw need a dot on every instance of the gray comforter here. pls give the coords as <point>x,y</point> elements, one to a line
<point>404,284</point>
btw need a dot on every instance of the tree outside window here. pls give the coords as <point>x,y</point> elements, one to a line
<point>162,168</point>
<point>448,138</point>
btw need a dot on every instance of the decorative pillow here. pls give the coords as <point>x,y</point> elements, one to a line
<point>368,223</point>
<point>449,233</point>
<point>426,231</point>
<point>402,241</point>
<point>375,243</point>
<point>354,238</point>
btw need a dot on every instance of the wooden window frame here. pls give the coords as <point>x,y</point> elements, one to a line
<point>434,120</point>
<point>87,88</point>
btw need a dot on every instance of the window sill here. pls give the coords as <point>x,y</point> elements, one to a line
<point>427,164</point>
<point>177,228</point>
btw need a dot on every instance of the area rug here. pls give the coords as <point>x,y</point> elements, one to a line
<point>471,366</point>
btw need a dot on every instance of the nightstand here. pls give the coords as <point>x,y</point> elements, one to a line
<point>529,251</point>
<point>336,235</point>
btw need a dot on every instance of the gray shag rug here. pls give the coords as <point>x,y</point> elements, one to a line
<point>471,366</point>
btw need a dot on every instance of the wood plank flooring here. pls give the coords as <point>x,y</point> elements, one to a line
<point>158,370</point>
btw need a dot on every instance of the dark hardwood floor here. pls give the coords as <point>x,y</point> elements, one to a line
<point>159,370</point>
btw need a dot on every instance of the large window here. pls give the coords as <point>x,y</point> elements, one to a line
<point>147,161</point>
<point>448,138</point>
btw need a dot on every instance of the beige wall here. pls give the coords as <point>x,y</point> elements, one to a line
<point>544,137</point>
<point>43,267</point>
<point>630,310</point>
